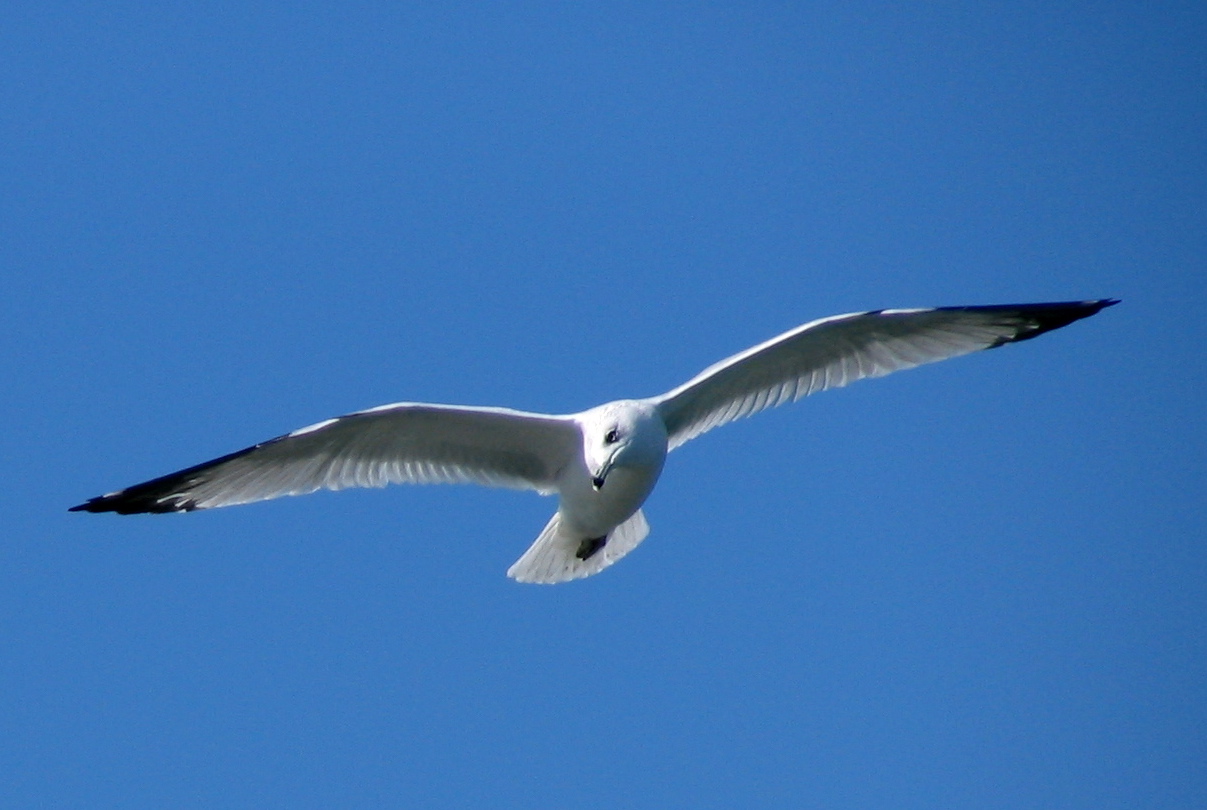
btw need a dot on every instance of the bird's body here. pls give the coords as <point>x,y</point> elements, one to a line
<point>586,504</point>
<point>602,463</point>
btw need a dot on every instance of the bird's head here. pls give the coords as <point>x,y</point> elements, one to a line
<point>627,433</point>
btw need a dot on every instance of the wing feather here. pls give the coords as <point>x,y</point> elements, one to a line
<point>833,352</point>
<point>403,443</point>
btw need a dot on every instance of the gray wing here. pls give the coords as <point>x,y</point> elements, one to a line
<point>402,443</point>
<point>832,352</point>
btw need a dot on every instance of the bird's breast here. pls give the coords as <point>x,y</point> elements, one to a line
<point>596,512</point>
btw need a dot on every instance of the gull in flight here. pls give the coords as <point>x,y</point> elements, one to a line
<point>602,463</point>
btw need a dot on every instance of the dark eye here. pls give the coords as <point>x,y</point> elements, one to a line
<point>611,437</point>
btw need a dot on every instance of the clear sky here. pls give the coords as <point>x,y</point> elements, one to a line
<point>978,584</point>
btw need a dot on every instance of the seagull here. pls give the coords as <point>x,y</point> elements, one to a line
<point>601,463</point>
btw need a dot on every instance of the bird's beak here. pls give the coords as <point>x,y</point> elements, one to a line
<point>597,480</point>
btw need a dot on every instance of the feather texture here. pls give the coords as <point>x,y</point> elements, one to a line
<point>392,444</point>
<point>836,351</point>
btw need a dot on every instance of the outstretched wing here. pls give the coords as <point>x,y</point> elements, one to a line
<point>393,444</point>
<point>832,352</point>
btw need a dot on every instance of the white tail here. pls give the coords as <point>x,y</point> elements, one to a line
<point>554,555</point>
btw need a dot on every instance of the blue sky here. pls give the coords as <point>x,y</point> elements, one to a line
<point>977,584</point>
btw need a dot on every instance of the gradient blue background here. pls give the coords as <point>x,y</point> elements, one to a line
<point>978,584</point>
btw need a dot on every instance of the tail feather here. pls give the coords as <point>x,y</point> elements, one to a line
<point>556,556</point>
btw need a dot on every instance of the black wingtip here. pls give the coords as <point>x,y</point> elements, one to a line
<point>1055,316</point>
<point>101,503</point>
<point>168,493</point>
<point>1038,319</point>
<point>133,502</point>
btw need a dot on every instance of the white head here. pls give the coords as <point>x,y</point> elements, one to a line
<point>626,433</point>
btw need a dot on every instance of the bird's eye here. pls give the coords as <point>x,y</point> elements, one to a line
<point>611,437</point>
